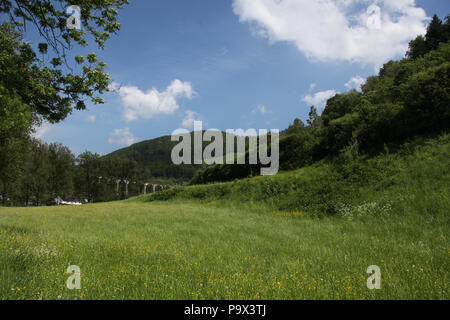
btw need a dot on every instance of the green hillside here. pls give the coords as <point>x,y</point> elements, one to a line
<point>416,176</point>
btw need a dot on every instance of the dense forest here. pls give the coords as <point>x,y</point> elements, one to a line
<point>408,98</point>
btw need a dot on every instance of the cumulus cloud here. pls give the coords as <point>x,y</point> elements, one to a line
<point>319,99</point>
<point>355,83</point>
<point>190,117</point>
<point>122,137</point>
<point>145,105</point>
<point>365,31</point>
<point>261,109</point>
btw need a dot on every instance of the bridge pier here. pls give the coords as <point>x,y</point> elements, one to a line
<point>127,182</point>
<point>118,185</point>
<point>145,187</point>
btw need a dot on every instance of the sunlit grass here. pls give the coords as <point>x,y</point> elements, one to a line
<point>193,251</point>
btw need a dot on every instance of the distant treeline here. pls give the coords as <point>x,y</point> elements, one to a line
<point>46,171</point>
<point>35,173</point>
<point>407,98</point>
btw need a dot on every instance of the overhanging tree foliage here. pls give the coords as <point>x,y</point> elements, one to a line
<point>40,82</point>
<point>49,85</point>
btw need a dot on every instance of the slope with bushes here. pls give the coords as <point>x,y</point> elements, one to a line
<point>414,178</point>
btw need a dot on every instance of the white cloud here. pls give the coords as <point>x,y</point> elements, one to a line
<point>91,118</point>
<point>261,109</point>
<point>190,117</point>
<point>341,30</point>
<point>312,86</point>
<point>122,137</point>
<point>138,104</point>
<point>39,132</point>
<point>355,83</point>
<point>319,99</point>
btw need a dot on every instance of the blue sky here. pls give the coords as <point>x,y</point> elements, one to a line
<point>233,64</point>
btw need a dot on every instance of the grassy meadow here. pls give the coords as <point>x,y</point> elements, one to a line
<point>306,234</point>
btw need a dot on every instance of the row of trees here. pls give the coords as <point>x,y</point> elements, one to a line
<point>407,98</point>
<point>41,172</point>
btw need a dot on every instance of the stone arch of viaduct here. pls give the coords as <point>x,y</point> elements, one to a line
<point>146,187</point>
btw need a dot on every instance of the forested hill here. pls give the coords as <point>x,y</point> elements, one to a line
<point>155,156</point>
